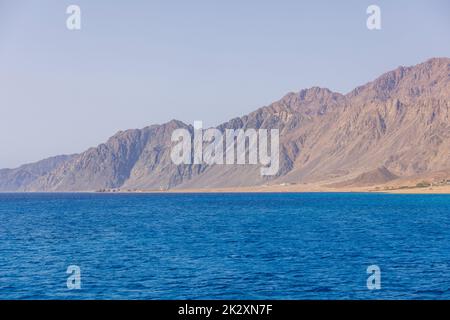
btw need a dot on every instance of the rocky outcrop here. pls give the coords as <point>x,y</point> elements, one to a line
<point>374,177</point>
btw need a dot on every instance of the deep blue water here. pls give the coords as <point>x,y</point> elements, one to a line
<point>230,246</point>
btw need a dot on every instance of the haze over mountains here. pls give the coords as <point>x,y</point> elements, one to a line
<point>394,127</point>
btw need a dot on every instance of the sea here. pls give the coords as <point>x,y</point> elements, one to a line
<point>224,246</point>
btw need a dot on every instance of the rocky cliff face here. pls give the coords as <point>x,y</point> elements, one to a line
<point>399,122</point>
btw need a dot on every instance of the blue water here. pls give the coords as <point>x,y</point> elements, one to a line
<point>224,246</point>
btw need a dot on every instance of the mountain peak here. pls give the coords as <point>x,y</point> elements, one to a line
<point>431,78</point>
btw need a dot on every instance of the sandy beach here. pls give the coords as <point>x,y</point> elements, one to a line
<point>311,188</point>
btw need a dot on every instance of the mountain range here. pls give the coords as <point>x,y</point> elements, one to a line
<point>392,128</point>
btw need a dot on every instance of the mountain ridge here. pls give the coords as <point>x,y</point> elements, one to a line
<point>399,121</point>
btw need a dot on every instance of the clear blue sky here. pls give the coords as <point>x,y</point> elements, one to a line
<point>136,63</point>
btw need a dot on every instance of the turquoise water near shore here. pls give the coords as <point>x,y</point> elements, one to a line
<point>224,246</point>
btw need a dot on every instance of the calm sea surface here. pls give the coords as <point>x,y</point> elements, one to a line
<point>230,246</point>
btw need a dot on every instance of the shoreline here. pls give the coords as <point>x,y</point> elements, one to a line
<point>307,188</point>
<point>298,189</point>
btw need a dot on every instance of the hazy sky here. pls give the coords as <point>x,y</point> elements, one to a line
<point>136,63</point>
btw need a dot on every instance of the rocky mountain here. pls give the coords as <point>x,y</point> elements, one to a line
<point>393,127</point>
<point>16,179</point>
